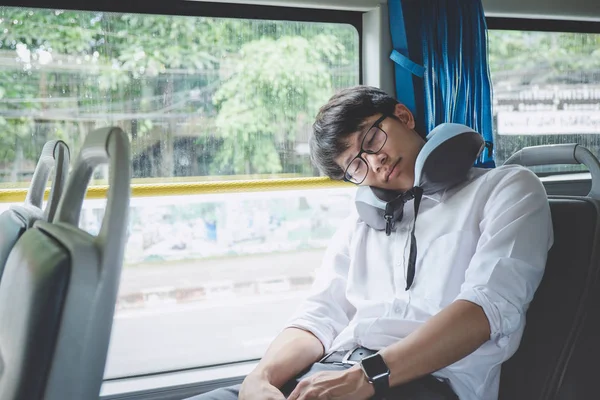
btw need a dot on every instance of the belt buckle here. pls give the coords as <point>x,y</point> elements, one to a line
<point>326,356</point>
<point>346,359</point>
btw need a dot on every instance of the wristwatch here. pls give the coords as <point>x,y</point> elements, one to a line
<point>377,373</point>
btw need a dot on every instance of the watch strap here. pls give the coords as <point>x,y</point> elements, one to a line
<point>381,385</point>
<point>379,380</point>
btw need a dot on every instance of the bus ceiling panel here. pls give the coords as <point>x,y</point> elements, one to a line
<point>547,9</point>
<point>550,9</point>
<point>579,10</point>
<point>347,5</point>
<point>294,10</point>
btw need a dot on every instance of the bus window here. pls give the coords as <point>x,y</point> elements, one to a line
<point>208,278</point>
<point>546,91</point>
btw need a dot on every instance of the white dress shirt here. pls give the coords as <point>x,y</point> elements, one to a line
<point>485,241</point>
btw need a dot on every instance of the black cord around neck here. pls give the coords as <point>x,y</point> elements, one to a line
<point>412,258</point>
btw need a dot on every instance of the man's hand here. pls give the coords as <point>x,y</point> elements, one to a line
<point>333,385</point>
<point>258,388</point>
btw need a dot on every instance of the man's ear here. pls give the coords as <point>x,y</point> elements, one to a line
<point>404,115</point>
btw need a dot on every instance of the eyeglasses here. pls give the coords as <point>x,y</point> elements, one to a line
<point>356,172</point>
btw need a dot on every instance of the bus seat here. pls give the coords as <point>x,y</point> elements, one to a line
<point>60,285</point>
<point>559,319</point>
<point>17,219</point>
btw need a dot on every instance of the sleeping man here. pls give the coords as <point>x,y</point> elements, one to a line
<point>404,308</point>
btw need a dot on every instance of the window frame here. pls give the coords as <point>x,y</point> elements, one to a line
<point>176,385</point>
<point>557,183</point>
<point>191,8</point>
<point>542,25</point>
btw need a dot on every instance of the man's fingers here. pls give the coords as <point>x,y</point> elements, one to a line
<point>306,391</point>
<point>295,394</point>
<point>299,390</point>
<point>310,394</point>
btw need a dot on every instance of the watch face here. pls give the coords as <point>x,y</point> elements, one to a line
<point>374,366</point>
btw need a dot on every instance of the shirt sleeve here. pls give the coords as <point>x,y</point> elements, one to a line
<point>509,262</point>
<point>326,311</point>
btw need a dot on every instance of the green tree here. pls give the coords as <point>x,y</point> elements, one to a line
<point>541,57</point>
<point>66,72</point>
<point>274,83</point>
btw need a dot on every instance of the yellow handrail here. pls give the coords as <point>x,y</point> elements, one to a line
<point>193,188</point>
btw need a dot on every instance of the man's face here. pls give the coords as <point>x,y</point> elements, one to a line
<point>392,167</point>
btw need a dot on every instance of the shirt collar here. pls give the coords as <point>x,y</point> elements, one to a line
<point>437,196</point>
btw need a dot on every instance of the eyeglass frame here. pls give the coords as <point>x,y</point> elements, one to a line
<point>363,151</point>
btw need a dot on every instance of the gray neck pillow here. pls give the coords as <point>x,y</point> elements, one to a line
<point>449,153</point>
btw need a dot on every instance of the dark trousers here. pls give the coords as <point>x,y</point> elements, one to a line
<point>426,388</point>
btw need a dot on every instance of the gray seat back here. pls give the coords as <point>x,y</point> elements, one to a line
<point>59,290</point>
<point>17,219</point>
<point>561,316</point>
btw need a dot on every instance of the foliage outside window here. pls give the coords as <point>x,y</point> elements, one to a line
<point>200,96</point>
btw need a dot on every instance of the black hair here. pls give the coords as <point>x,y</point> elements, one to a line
<point>344,114</point>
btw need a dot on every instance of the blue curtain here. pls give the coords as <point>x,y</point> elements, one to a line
<point>449,37</point>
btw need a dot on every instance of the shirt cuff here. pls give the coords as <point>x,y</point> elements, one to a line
<point>504,318</point>
<point>324,333</point>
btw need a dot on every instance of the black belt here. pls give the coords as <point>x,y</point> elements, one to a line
<point>347,356</point>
